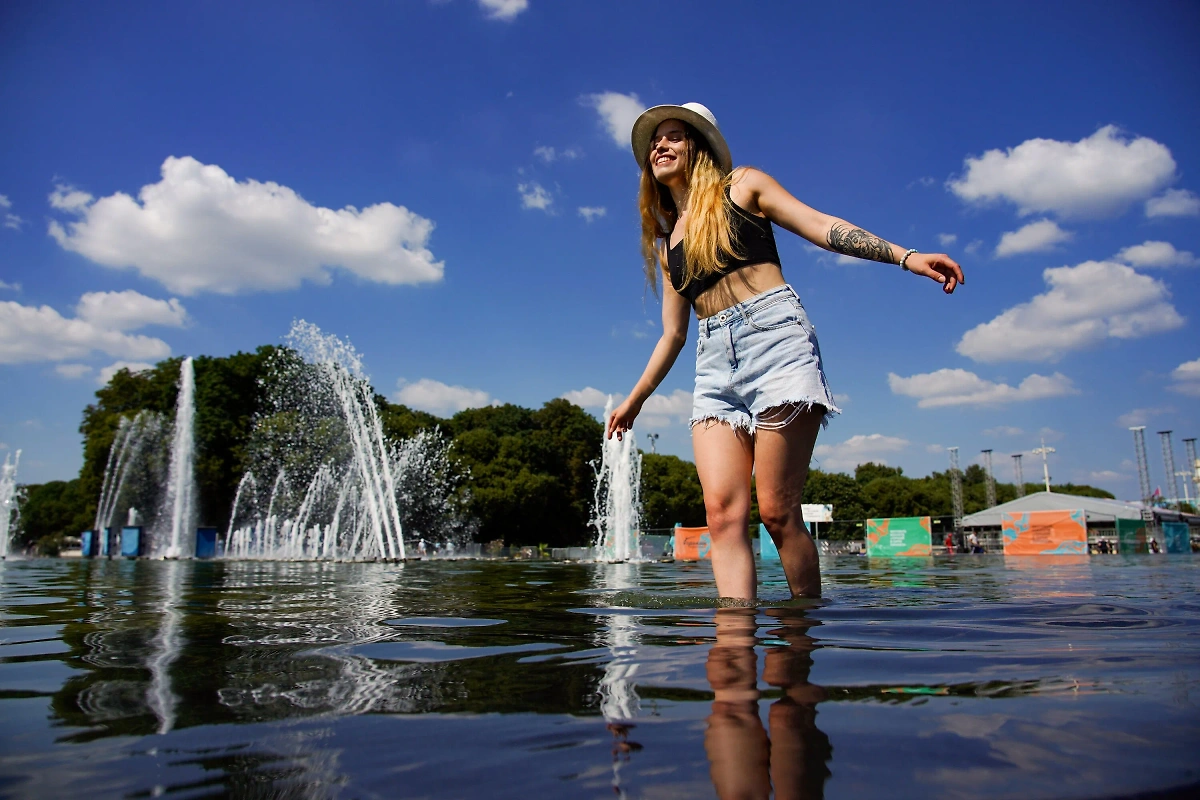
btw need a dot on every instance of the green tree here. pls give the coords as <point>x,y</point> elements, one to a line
<point>670,492</point>
<point>49,512</point>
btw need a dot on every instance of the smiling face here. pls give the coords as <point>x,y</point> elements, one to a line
<point>668,151</point>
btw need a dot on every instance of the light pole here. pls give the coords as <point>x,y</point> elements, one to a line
<point>653,437</point>
<point>1043,451</point>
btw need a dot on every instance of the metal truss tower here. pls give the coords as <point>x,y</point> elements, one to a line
<point>1193,466</point>
<point>956,496</point>
<point>1139,448</point>
<point>1169,465</point>
<point>1020,474</point>
<point>991,481</point>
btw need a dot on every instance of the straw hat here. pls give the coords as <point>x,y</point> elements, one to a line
<point>693,114</point>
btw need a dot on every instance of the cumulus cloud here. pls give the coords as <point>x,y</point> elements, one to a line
<point>973,246</point>
<point>1155,254</point>
<point>534,195</point>
<point>1174,203</point>
<point>841,399</point>
<point>1036,237</point>
<point>1086,304</point>
<point>72,371</point>
<point>199,230</point>
<point>29,333</point>
<point>15,287</point>
<point>588,397</point>
<point>11,220</point>
<point>440,398</point>
<point>617,112</point>
<point>958,387</point>
<point>1186,378</point>
<point>1141,416</point>
<point>592,212</point>
<point>106,373</point>
<point>550,155</point>
<point>1099,175</point>
<point>859,449</point>
<point>129,310</point>
<point>504,10</point>
<point>947,239</point>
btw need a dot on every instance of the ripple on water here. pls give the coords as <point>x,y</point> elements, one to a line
<point>445,622</point>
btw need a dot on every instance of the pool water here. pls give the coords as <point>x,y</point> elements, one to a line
<point>972,676</point>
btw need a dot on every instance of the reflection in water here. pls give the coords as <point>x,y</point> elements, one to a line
<point>164,649</point>
<point>744,761</point>
<point>619,701</point>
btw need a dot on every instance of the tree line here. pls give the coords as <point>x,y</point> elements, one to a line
<point>529,472</point>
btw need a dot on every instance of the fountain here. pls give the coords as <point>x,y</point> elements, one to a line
<point>618,506</point>
<point>125,478</point>
<point>332,486</point>
<point>180,538</point>
<point>8,492</point>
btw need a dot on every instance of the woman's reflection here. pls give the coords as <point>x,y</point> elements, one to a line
<point>746,763</point>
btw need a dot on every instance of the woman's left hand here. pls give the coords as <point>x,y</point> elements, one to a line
<point>937,266</point>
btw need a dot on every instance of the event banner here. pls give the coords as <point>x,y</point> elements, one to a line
<point>1176,537</point>
<point>1131,536</point>
<point>692,544</point>
<point>899,536</point>
<point>816,512</point>
<point>1044,533</point>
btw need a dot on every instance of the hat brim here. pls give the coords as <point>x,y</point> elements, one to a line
<point>650,119</point>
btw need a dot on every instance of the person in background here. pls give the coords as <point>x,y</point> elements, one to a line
<point>973,543</point>
<point>949,543</point>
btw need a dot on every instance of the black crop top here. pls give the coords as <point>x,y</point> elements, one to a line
<point>756,240</point>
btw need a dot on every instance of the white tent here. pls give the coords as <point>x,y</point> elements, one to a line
<point>1098,510</point>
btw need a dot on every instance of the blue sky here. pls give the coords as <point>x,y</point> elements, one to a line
<point>448,185</point>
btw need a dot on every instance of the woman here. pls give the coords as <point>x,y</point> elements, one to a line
<point>761,394</point>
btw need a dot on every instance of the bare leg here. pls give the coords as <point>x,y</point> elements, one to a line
<point>739,754</point>
<point>724,460</point>
<point>780,470</point>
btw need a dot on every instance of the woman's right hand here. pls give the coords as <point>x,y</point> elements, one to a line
<point>621,420</point>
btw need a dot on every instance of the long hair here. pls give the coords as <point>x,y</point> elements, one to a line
<point>707,237</point>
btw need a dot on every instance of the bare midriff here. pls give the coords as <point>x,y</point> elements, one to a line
<point>737,287</point>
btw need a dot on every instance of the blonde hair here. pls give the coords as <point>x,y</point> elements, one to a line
<point>708,239</point>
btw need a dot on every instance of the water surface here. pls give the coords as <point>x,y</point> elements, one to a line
<point>966,677</point>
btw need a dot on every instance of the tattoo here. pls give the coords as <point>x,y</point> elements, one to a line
<point>857,242</point>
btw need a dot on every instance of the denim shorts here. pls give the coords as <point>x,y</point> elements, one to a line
<point>758,364</point>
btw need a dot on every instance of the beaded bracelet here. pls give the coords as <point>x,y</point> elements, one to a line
<point>904,258</point>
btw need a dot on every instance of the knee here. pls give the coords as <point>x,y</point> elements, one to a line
<point>725,512</point>
<point>779,517</point>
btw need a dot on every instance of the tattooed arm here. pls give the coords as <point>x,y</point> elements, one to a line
<point>756,191</point>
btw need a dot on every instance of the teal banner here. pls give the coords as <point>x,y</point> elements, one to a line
<point>1176,537</point>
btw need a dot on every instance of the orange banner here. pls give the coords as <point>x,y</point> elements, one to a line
<point>692,544</point>
<point>1044,533</point>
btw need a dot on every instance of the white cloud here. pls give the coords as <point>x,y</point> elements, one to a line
<point>859,450</point>
<point>935,449</point>
<point>10,220</point>
<point>841,399</point>
<point>1098,175</point>
<point>72,371</point>
<point>1086,304</point>
<point>1155,254</point>
<point>618,112</point>
<point>550,155</point>
<point>1174,203</point>
<point>16,287</point>
<point>592,212</point>
<point>440,398</point>
<point>1105,475</point>
<point>947,239</point>
<point>1141,416</point>
<point>199,230</point>
<point>589,397</point>
<point>1186,378</point>
<point>1036,237</point>
<point>973,247</point>
<point>106,373</point>
<point>29,333</point>
<point>129,310</point>
<point>1004,430</point>
<point>958,387</point>
<point>505,10</point>
<point>533,195</point>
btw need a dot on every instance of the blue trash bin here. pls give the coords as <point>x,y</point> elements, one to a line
<point>87,544</point>
<point>106,542</point>
<point>206,542</point>
<point>131,541</point>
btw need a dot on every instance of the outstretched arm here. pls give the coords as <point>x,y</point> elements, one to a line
<point>838,235</point>
<point>675,315</point>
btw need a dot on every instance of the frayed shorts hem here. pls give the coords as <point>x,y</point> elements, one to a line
<point>740,420</point>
